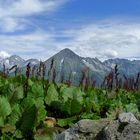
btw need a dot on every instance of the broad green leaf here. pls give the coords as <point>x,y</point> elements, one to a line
<point>71,93</point>
<point>67,93</point>
<point>27,102</point>
<point>16,95</point>
<point>132,108</point>
<point>66,122</point>
<point>15,115</point>
<point>5,108</point>
<point>78,95</point>
<point>52,95</point>
<point>27,121</point>
<point>41,111</point>
<point>36,91</point>
<point>72,107</point>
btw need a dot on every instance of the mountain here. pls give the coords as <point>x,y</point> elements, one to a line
<point>16,60</point>
<point>66,62</point>
<point>31,61</point>
<point>125,66</point>
<point>67,65</point>
<point>12,60</point>
<point>95,64</point>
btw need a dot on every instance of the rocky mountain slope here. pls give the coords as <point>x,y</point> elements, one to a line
<point>68,63</point>
<point>16,60</point>
<point>127,67</point>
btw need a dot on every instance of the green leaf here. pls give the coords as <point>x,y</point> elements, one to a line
<point>78,95</point>
<point>1,122</point>
<point>27,121</point>
<point>30,82</point>
<point>18,134</point>
<point>16,95</point>
<point>5,108</point>
<point>132,108</point>
<point>71,93</point>
<point>41,111</point>
<point>89,115</point>
<point>36,91</point>
<point>52,95</point>
<point>67,93</point>
<point>27,102</point>
<point>72,107</point>
<point>66,122</point>
<point>75,107</point>
<point>15,115</point>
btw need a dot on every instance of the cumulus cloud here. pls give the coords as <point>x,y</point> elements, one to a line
<point>105,40</point>
<point>110,53</point>
<point>4,54</point>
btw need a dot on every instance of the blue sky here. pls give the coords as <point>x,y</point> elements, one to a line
<point>92,28</point>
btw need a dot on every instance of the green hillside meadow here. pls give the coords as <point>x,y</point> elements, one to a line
<point>26,101</point>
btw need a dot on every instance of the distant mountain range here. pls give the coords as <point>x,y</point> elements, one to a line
<point>125,66</point>
<point>67,63</point>
<point>16,60</point>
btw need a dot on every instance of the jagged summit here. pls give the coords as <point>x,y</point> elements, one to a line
<point>67,53</point>
<point>12,60</point>
<point>15,57</point>
<point>67,50</point>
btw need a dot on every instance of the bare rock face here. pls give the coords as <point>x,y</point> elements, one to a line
<point>117,131</point>
<point>127,127</point>
<point>127,118</point>
<point>83,130</point>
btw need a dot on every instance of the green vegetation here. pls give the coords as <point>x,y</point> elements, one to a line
<point>25,102</point>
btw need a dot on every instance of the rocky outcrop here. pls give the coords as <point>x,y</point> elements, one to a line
<point>83,130</point>
<point>117,131</point>
<point>127,118</point>
<point>126,127</point>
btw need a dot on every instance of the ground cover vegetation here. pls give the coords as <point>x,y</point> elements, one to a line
<point>26,100</point>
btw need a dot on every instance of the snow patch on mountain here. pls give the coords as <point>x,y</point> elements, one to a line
<point>89,65</point>
<point>61,63</point>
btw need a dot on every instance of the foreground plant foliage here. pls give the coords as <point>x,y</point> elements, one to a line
<point>22,112</point>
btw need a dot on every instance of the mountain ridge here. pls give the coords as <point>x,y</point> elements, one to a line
<point>67,62</point>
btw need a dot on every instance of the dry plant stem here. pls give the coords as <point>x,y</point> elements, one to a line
<point>28,70</point>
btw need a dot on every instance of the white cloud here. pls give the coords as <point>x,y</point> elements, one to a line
<point>93,40</point>
<point>110,53</point>
<point>33,45</point>
<point>11,24</point>
<point>105,40</point>
<point>13,12</point>
<point>4,54</point>
<point>22,8</point>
